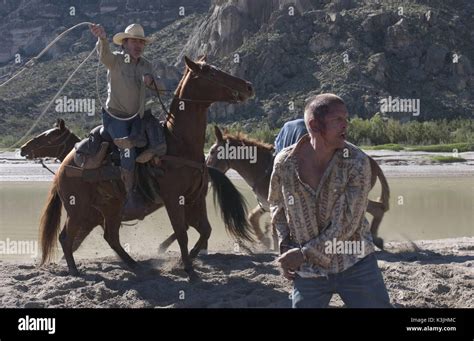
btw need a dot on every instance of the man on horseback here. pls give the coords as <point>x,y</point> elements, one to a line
<point>318,197</point>
<point>128,73</point>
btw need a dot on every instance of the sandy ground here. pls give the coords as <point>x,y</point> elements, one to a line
<point>429,274</point>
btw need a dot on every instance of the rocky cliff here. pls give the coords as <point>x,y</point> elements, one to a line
<point>362,50</point>
<point>28,25</point>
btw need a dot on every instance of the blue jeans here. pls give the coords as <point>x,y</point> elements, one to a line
<point>119,128</point>
<point>360,286</point>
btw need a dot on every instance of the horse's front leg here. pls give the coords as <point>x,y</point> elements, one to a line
<point>377,210</point>
<point>197,215</point>
<point>177,215</point>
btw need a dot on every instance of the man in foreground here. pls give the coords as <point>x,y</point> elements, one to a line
<point>318,196</point>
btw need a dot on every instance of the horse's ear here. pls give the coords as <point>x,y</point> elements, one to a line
<point>191,65</point>
<point>61,124</point>
<point>202,58</point>
<point>218,134</point>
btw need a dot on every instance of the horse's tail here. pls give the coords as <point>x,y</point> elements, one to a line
<point>233,205</point>
<point>49,224</point>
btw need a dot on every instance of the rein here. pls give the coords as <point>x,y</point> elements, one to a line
<point>44,166</point>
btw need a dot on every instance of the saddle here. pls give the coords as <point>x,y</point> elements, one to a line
<point>91,152</point>
<point>96,158</point>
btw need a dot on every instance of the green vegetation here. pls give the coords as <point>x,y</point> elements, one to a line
<point>442,148</point>
<point>389,146</point>
<point>447,148</point>
<point>449,136</point>
<point>380,131</point>
<point>447,159</point>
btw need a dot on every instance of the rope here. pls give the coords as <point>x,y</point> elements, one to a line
<point>27,65</point>
<point>53,99</point>
<point>32,62</point>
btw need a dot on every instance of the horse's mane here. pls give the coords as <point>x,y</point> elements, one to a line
<point>243,138</point>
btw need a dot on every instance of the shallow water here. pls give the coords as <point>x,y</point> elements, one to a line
<point>420,208</point>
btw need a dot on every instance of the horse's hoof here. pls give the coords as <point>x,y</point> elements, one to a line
<point>134,266</point>
<point>193,277</point>
<point>162,250</point>
<point>74,273</point>
<point>195,253</point>
<point>378,242</point>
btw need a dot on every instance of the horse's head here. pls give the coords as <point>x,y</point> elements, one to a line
<point>214,159</point>
<point>50,143</point>
<point>206,83</point>
<point>219,158</point>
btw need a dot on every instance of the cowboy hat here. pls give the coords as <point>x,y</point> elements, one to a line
<point>132,31</point>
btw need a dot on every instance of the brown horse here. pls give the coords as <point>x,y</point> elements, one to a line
<point>257,175</point>
<point>53,143</point>
<point>56,142</point>
<point>182,188</point>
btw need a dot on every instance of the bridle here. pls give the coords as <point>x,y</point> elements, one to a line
<point>60,147</point>
<point>235,96</point>
<point>235,93</point>
<point>212,70</point>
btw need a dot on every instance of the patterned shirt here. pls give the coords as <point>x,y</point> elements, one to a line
<point>126,89</point>
<point>328,223</point>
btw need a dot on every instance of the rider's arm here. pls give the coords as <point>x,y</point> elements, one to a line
<point>106,56</point>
